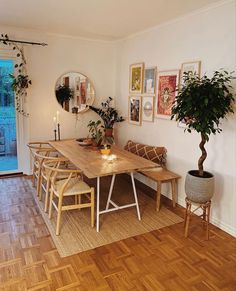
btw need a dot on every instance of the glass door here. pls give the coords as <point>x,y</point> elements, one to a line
<point>8,130</point>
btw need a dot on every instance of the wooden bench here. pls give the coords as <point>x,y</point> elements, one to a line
<point>160,174</point>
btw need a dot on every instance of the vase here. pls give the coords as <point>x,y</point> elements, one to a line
<point>199,189</point>
<point>108,132</point>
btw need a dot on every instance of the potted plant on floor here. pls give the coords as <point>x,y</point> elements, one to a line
<point>201,103</point>
<point>109,116</point>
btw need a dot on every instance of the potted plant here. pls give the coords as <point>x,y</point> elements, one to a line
<point>20,81</point>
<point>109,115</point>
<point>96,132</point>
<point>63,93</point>
<point>201,103</point>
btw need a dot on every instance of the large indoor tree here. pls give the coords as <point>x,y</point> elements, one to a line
<point>201,103</point>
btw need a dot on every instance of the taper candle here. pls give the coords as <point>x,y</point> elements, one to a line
<point>58,113</point>
<point>55,122</point>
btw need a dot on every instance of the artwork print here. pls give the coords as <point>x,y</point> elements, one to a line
<point>193,67</point>
<point>147,108</point>
<point>149,80</point>
<point>136,78</point>
<point>167,85</point>
<point>135,110</point>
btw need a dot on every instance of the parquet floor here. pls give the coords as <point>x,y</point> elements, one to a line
<point>159,260</point>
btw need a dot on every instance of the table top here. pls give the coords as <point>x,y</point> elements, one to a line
<point>92,164</point>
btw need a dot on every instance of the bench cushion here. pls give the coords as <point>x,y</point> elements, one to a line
<point>152,153</point>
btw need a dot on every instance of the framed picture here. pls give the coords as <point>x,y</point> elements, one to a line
<point>168,82</point>
<point>194,67</point>
<point>150,80</point>
<point>148,108</point>
<point>136,78</point>
<point>135,107</point>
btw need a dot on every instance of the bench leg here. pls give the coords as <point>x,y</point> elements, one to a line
<point>158,205</point>
<point>174,191</point>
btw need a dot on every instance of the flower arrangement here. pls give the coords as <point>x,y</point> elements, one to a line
<point>108,114</point>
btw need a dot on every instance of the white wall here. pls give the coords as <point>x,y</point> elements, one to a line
<point>210,36</point>
<point>95,59</point>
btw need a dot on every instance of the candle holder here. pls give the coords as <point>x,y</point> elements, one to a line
<point>58,131</point>
<point>55,134</point>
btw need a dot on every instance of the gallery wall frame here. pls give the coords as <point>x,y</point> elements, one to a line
<point>192,66</point>
<point>149,84</point>
<point>148,108</point>
<point>167,86</point>
<point>136,72</point>
<point>135,110</point>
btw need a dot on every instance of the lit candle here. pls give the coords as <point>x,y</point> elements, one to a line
<point>55,122</point>
<point>58,113</point>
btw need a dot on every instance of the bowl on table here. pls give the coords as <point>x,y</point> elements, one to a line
<point>84,141</point>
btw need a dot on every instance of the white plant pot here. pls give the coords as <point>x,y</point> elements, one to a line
<point>199,189</point>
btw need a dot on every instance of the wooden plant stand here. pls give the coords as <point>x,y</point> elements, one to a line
<point>205,216</point>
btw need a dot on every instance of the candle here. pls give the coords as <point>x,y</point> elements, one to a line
<point>58,113</point>
<point>55,122</point>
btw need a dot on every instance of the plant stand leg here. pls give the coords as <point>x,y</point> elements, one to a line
<point>188,214</point>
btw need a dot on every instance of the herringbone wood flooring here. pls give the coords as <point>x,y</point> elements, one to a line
<point>159,260</point>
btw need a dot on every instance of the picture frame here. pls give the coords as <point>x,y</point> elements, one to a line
<point>148,108</point>
<point>136,78</point>
<point>194,67</point>
<point>135,108</point>
<point>167,85</point>
<point>149,86</point>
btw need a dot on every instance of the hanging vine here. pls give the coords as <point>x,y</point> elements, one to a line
<point>20,79</point>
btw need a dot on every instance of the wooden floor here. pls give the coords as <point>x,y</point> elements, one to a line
<point>159,260</point>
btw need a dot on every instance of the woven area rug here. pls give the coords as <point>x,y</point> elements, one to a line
<point>77,235</point>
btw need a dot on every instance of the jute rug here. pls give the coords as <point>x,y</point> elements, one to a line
<point>77,235</point>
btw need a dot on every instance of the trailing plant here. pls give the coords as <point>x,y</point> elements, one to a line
<point>63,93</point>
<point>201,103</point>
<point>20,79</point>
<point>108,113</point>
<point>96,130</point>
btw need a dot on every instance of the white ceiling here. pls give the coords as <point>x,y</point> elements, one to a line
<point>97,19</point>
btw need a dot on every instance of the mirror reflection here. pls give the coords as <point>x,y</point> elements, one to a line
<point>74,91</point>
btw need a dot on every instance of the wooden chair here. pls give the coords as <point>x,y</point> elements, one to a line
<point>73,185</point>
<point>44,175</point>
<point>39,156</point>
<point>36,147</point>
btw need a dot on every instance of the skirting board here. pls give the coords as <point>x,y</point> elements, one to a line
<point>227,228</point>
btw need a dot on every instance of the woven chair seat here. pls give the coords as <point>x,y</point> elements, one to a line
<point>74,187</point>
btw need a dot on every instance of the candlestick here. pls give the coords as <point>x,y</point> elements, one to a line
<point>55,134</point>
<point>58,131</point>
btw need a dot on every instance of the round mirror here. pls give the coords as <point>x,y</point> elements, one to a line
<point>74,92</point>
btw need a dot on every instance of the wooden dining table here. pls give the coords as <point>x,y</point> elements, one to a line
<point>93,165</point>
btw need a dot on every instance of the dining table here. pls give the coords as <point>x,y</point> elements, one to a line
<point>95,165</point>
